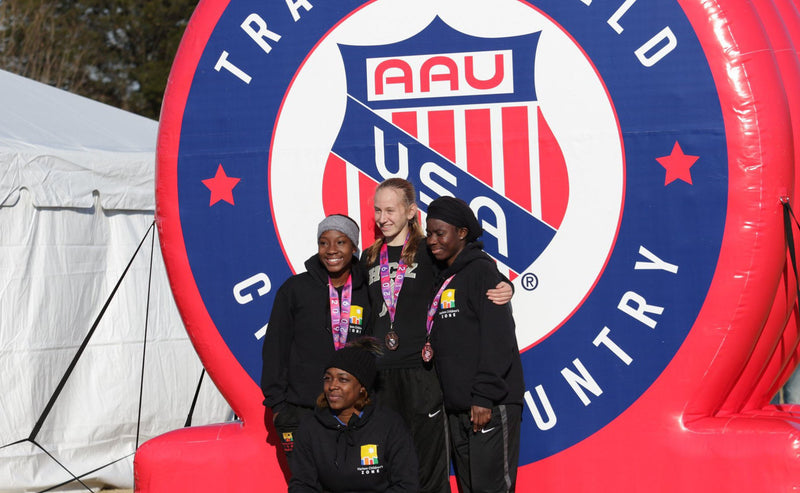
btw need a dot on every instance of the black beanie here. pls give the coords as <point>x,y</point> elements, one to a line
<point>356,360</point>
<point>456,212</point>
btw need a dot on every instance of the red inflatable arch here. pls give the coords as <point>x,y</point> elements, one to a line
<point>685,269</point>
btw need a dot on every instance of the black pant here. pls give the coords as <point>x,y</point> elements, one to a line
<point>287,422</point>
<point>486,461</point>
<point>414,393</point>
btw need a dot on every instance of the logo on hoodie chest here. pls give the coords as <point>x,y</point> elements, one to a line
<point>370,464</point>
<point>447,304</point>
<point>356,320</point>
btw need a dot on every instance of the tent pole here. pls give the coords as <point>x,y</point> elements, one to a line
<point>144,340</point>
<point>85,342</point>
<point>194,401</point>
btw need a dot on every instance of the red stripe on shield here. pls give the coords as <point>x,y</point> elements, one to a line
<point>479,144</point>
<point>406,120</point>
<point>366,192</point>
<point>516,155</point>
<point>553,176</point>
<point>334,186</point>
<point>442,133</point>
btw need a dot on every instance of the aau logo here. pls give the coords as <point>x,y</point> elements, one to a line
<point>558,126</point>
<point>455,123</point>
<point>463,115</point>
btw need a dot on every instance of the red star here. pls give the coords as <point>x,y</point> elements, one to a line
<point>221,187</point>
<point>678,165</point>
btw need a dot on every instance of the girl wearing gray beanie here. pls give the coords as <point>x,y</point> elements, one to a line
<point>313,316</point>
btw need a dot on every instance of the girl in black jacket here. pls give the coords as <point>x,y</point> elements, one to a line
<point>314,314</point>
<point>401,276</point>
<point>474,346</point>
<point>350,445</point>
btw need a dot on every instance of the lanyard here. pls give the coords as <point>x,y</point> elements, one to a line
<point>435,305</point>
<point>340,319</point>
<point>390,296</point>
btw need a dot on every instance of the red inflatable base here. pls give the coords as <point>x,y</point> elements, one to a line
<point>737,454</point>
<point>214,458</point>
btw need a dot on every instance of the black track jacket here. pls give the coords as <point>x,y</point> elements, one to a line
<point>299,341</point>
<point>374,452</point>
<point>475,347</point>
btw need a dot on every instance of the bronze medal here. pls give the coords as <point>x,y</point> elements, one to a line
<point>427,352</point>
<point>392,341</point>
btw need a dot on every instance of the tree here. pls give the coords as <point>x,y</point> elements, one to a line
<point>38,40</point>
<point>115,51</point>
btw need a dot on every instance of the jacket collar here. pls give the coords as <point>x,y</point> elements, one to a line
<point>328,420</point>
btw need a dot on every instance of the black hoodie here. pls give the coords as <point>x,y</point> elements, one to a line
<point>474,343</point>
<point>299,341</point>
<point>374,452</point>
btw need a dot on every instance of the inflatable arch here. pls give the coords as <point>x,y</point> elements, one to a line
<point>633,164</point>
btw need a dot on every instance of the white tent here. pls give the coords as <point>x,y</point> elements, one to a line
<point>76,200</point>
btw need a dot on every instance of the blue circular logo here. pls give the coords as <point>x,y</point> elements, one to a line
<point>569,126</point>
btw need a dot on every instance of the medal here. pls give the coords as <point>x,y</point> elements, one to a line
<point>427,352</point>
<point>391,292</point>
<point>392,341</point>
<point>427,349</point>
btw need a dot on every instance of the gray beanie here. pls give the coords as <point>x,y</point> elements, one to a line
<point>342,224</point>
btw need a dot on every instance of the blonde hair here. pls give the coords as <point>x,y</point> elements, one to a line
<point>408,194</point>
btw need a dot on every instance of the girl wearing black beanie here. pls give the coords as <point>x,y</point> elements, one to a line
<point>349,444</point>
<point>474,348</point>
<point>314,314</point>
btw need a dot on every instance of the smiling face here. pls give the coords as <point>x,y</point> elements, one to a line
<point>445,240</point>
<point>341,390</point>
<point>336,252</point>
<point>392,215</point>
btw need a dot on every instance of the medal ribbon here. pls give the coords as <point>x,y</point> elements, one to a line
<point>340,319</point>
<point>390,296</point>
<point>435,305</point>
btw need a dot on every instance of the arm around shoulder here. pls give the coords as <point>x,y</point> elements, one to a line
<point>503,291</point>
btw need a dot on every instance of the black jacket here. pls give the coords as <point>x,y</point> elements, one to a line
<point>474,343</point>
<point>299,341</point>
<point>373,453</point>
<point>412,306</point>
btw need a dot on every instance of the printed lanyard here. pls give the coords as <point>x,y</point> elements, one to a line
<point>340,319</point>
<point>435,305</point>
<point>389,296</point>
